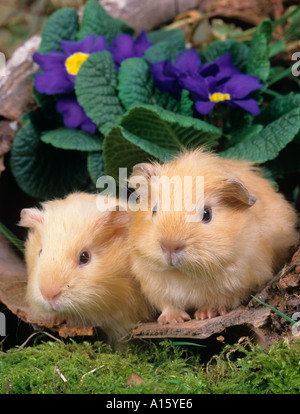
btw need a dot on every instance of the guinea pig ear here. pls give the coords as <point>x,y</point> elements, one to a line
<point>114,223</point>
<point>30,217</point>
<point>144,169</point>
<point>236,194</point>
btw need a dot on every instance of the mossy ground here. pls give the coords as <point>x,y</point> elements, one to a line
<point>93,368</point>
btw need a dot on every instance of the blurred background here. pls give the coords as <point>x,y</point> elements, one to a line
<point>20,19</point>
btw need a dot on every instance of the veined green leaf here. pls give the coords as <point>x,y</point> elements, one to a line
<point>72,139</point>
<point>61,25</point>
<point>97,21</point>
<point>96,90</point>
<point>267,144</point>
<point>258,59</point>
<point>149,132</point>
<point>43,171</point>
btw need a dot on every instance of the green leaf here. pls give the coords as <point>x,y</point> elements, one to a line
<point>278,107</point>
<point>43,171</point>
<point>118,152</point>
<point>154,131</point>
<point>188,343</point>
<point>162,51</point>
<point>96,90</point>
<point>61,25</point>
<point>95,165</point>
<point>136,87</point>
<point>267,144</point>
<point>277,311</point>
<point>174,37</point>
<point>135,84</point>
<point>159,52</point>
<point>186,103</point>
<point>244,133</point>
<point>72,139</point>
<point>168,131</point>
<point>97,21</point>
<point>258,59</point>
<point>239,52</point>
<point>168,44</point>
<point>19,244</point>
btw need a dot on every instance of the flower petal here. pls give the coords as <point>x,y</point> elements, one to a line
<point>73,114</point>
<point>165,82</point>
<point>171,70</point>
<point>249,105</point>
<point>141,44</point>
<point>188,61</point>
<point>221,68</point>
<point>53,82</point>
<point>83,45</point>
<point>209,69</point>
<point>239,86</point>
<point>122,47</point>
<point>88,126</point>
<point>204,107</point>
<point>99,45</point>
<point>195,84</point>
<point>49,61</point>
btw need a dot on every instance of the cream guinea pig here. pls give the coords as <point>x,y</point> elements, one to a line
<point>211,265</point>
<point>78,266</point>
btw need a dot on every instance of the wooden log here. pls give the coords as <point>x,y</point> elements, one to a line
<point>16,87</point>
<point>193,329</point>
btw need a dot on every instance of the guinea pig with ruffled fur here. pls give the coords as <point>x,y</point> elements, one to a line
<point>239,236</point>
<point>78,266</point>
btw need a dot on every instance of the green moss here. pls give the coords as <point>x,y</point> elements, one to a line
<point>165,368</point>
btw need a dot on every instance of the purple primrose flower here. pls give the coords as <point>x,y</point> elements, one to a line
<point>125,46</point>
<point>234,91</point>
<point>73,114</point>
<point>214,82</point>
<point>60,68</point>
<point>166,74</point>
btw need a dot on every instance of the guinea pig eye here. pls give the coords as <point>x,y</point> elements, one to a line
<point>207,215</point>
<point>40,252</point>
<point>155,209</point>
<point>84,258</point>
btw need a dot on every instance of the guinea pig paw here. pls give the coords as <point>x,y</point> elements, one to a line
<point>200,314</point>
<point>173,316</point>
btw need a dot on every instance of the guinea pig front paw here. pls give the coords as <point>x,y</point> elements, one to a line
<point>201,314</point>
<point>173,316</point>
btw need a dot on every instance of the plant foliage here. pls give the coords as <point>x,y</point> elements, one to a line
<point>136,118</point>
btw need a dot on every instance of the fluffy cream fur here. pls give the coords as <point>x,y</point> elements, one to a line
<point>223,260</point>
<point>103,292</point>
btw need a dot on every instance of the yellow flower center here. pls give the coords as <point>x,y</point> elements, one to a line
<point>219,97</point>
<point>74,62</point>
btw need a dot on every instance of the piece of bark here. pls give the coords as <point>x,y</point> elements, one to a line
<point>16,87</point>
<point>257,318</point>
<point>8,131</point>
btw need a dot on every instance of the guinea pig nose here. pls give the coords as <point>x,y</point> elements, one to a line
<point>50,293</point>
<point>172,251</point>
